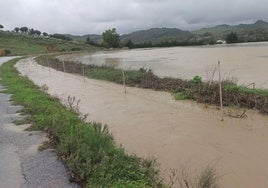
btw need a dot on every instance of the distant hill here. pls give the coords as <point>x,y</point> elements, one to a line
<point>93,37</point>
<point>154,35</point>
<point>257,31</point>
<point>157,35</point>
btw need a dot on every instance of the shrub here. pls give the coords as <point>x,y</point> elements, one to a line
<point>181,95</point>
<point>197,79</point>
<point>7,52</point>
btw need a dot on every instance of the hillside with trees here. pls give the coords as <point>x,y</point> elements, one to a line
<point>157,35</point>
<point>257,31</point>
<point>165,37</point>
<point>23,41</point>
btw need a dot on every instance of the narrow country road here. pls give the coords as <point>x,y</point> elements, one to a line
<point>22,165</point>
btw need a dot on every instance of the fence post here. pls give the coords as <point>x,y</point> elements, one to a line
<point>124,80</point>
<point>63,65</point>
<point>83,71</point>
<point>48,65</point>
<point>221,107</point>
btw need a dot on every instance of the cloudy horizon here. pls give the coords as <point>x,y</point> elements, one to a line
<point>80,17</point>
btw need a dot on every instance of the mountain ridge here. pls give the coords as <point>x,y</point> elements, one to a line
<point>257,31</point>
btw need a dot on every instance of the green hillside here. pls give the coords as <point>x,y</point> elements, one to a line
<point>154,35</point>
<point>93,37</point>
<point>257,31</point>
<point>157,35</point>
<point>22,44</point>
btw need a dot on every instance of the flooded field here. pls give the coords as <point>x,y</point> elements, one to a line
<point>180,135</point>
<point>245,63</point>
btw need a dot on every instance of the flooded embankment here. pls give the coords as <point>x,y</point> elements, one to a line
<point>178,134</point>
<point>245,63</point>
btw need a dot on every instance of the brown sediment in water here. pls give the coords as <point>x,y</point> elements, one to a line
<point>177,134</point>
<point>245,62</point>
<point>203,92</point>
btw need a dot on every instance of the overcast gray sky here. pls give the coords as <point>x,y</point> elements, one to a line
<point>94,16</point>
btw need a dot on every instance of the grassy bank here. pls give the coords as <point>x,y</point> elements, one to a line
<point>21,44</point>
<point>195,89</point>
<point>87,148</point>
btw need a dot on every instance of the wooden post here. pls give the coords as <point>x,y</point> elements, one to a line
<point>124,80</point>
<point>83,71</point>
<point>48,65</point>
<point>221,108</point>
<point>89,59</point>
<point>34,62</point>
<point>29,61</point>
<point>63,65</point>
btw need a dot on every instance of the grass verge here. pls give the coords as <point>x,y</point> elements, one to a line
<point>195,89</point>
<point>87,148</point>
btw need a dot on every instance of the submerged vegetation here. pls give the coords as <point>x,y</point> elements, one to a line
<point>87,148</point>
<point>195,89</point>
<point>207,178</point>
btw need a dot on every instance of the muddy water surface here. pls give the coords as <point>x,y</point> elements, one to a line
<point>245,63</point>
<point>179,134</point>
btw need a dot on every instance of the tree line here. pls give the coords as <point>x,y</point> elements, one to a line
<point>26,30</point>
<point>111,39</point>
<point>29,31</point>
<point>34,32</point>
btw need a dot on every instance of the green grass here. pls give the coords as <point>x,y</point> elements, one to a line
<point>132,77</point>
<point>114,75</point>
<point>87,148</point>
<point>246,90</point>
<point>20,44</point>
<point>181,95</point>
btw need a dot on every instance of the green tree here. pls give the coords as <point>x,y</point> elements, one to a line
<point>45,34</point>
<point>232,38</point>
<point>89,41</point>
<point>61,36</point>
<point>130,44</point>
<point>24,29</point>
<point>16,29</point>
<point>37,32</point>
<point>31,31</point>
<point>111,38</point>
<point>1,26</point>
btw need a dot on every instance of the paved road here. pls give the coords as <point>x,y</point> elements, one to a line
<point>21,164</point>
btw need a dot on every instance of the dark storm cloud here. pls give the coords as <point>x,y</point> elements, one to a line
<point>94,16</point>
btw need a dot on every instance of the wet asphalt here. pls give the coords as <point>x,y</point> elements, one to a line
<point>21,164</point>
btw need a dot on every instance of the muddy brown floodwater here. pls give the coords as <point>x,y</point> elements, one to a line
<point>245,63</point>
<point>179,134</point>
